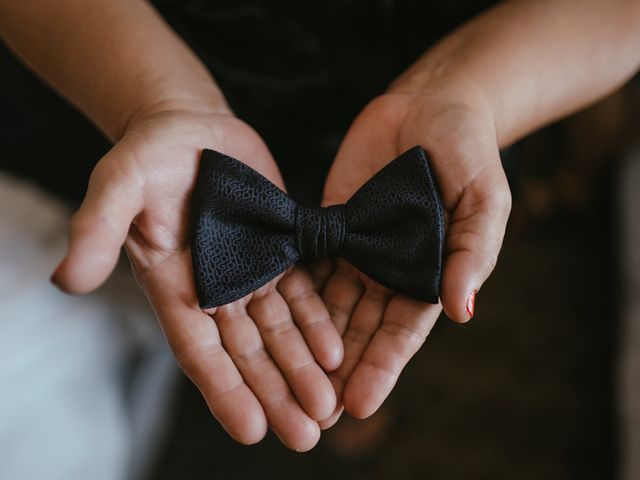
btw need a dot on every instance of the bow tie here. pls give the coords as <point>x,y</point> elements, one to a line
<point>247,231</point>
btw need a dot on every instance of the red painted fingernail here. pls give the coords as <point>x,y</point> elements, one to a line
<point>54,276</point>
<point>471,303</point>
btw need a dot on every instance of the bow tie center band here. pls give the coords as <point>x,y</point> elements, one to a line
<point>320,231</point>
<point>246,231</point>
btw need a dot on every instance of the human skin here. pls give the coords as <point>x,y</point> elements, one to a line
<point>262,360</point>
<point>504,74</point>
<point>259,362</point>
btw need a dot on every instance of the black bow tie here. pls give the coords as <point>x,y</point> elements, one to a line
<point>247,230</point>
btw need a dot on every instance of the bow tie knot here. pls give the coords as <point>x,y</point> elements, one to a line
<point>320,231</point>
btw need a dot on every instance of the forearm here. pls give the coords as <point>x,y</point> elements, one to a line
<point>113,59</point>
<point>535,61</point>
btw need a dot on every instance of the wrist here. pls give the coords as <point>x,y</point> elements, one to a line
<point>212,103</point>
<point>446,89</point>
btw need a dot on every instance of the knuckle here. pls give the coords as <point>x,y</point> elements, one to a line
<point>301,368</point>
<point>403,332</point>
<point>380,367</point>
<point>301,297</point>
<point>254,356</point>
<point>337,311</point>
<point>316,321</point>
<point>502,200</point>
<point>192,359</point>
<point>358,335</point>
<point>278,328</point>
<point>282,397</point>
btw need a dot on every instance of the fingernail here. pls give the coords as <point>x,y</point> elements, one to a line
<point>54,276</point>
<point>471,303</point>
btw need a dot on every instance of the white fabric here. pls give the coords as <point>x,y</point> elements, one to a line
<point>73,404</point>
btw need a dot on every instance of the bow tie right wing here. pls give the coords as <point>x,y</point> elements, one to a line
<point>242,226</point>
<point>395,228</point>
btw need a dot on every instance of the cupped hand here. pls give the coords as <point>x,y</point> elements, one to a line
<point>382,330</point>
<point>259,361</point>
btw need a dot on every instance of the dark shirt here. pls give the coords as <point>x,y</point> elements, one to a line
<point>300,71</point>
<point>297,71</point>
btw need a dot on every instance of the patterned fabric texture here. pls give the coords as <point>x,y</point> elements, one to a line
<point>247,231</point>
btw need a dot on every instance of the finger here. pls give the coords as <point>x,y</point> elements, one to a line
<point>291,354</point>
<point>405,326</point>
<point>342,293</point>
<point>474,239</point>
<point>203,358</point>
<point>99,228</point>
<point>320,271</point>
<point>196,344</point>
<point>312,318</point>
<point>242,340</point>
<point>366,319</point>
<point>335,415</point>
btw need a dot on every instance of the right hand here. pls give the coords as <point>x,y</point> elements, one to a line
<point>382,330</point>
<point>259,361</point>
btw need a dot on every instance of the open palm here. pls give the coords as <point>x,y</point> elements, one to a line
<point>259,361</point>
<point>383,330</point>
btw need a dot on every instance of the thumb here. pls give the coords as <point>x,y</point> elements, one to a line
<point>474,238</point>
<point>99,228</point>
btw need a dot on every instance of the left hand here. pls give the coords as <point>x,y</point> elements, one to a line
<point>382,330</point>
<point>259,361</point>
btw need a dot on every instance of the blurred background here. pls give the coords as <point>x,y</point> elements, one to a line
<point>541,384</point>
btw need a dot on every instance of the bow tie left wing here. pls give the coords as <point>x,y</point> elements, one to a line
<point>395,228</point>
<point>242,226</point>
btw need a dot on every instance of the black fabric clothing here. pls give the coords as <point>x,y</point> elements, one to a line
<point>298,72</point>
